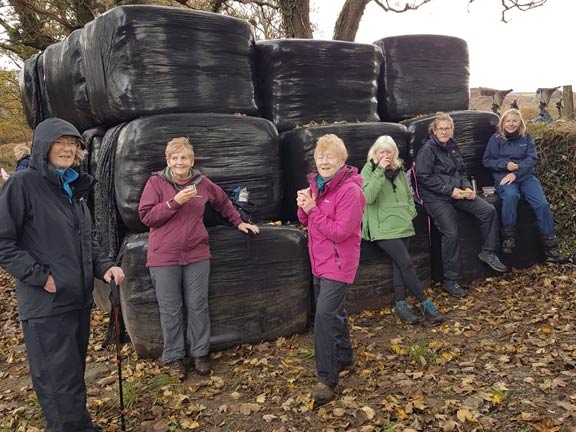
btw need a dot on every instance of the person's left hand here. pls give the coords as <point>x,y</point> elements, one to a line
<point>306,200</point>
<point>508,179</point>
<point>114,272</point>
<point>246,228</point>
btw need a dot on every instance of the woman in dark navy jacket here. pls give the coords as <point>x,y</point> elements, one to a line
<point>511,156</point>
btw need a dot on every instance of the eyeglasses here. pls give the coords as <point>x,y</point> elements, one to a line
<point>444,129</point>
<point>74,142</point>
<point>325,157</point>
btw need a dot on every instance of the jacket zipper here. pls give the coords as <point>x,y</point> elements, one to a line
<point>337,256</point>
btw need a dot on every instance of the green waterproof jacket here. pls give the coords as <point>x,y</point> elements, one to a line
<point>389,210</point>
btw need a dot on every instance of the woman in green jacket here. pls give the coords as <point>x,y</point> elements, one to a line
<point>387,222</point>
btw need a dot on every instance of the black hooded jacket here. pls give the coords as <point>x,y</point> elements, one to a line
<point>42,232</point>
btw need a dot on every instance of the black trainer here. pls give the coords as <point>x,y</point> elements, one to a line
<point>453,288</point>
<point>492,260</point>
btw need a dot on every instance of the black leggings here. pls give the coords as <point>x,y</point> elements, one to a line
<point>404,275</point>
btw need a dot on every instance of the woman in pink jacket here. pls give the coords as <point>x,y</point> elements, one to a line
<point>332,208</point>
<point>172,205</point>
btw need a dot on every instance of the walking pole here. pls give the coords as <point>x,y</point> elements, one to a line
<point>115,300</point>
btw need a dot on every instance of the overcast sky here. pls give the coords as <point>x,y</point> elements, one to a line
<point>524,54</point>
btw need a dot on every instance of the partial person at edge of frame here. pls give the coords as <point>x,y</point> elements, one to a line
<point>445,188</point>
<point>511,156</point>
<point>331,207</point>
<point>387,222</point>
<point>172,205</point>
<point>46,243</point>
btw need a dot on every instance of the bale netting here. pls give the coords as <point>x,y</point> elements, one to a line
<point>65,82</point>
<point>472,131</point>
<point>230,150</point>
<point>528,251</point>
<point>556,147</point>
<point>373,287</point>
<point>31,93</point>
<point>422,74</point>
<point>259,288</point>
<point>302,81</point>
<point>297,152</point>
<point>143,60</point>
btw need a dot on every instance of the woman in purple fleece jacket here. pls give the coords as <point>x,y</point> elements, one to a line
<point>172,205</point>
<point>332,208</point>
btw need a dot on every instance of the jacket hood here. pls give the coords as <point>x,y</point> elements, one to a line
<point>45,134</point>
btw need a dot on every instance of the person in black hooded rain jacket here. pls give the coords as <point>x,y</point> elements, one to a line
<point>46,243</point>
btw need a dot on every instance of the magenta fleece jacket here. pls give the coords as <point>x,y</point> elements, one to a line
<point>334,226</point>
<point>177,232</point>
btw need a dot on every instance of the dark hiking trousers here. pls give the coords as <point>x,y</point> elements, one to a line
<point>445,218</point>
<point>404,277</point>
<point>56,348</point>
<point>331,334</point>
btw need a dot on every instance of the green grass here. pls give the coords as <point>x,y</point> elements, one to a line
<point>419,349</point>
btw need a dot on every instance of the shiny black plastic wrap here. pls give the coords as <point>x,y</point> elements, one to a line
<point>297,152</point>
<point>472,130</point>
<point>65,82</point>
<point>32,91</point>
<point>143,60</point>
<point>529,249</point>
<point>313,80</point>
<point>373,287</point>
<point>422,74</point>
<point>230,150</point>
<point>93,141</point>
<point>259,288</point>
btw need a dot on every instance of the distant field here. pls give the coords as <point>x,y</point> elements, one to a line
<point>528,103</point>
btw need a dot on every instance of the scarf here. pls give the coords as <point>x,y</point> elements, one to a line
<point>511,136</point>
<point>66,177</point>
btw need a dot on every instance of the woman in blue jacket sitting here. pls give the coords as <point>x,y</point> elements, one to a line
<point>511,156</point>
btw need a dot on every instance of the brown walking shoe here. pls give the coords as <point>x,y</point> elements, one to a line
<point>177,369</point>
<point>322,394</point>
<point>202,365</point>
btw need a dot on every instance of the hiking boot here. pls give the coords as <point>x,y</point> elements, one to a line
<point>508,238</point>
<point>404,312</point>
<point>322,394</point>
<point>176,369</point>
<point>492,260</point>
<point>347,366</point>
<point>453,288</point>
<point>430,312</point>
<point>552,250</point>
<point>202,365</point>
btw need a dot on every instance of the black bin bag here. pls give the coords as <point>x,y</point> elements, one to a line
<point>65,82</point>
<point>302,80</point>
<point>32,91</point>
<point>422,74</point>
<point>142,60</point>
<point>259,288</point>
<point>297,150</point>
<point>230,150</point>
<point>472,130</point>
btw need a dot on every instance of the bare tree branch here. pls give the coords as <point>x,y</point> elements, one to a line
<point>523,6</point>
<point>407,6</point>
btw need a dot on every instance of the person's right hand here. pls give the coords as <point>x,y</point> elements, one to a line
<point>512,166</point>
<point>185,194</point>
<point>507,179</point>
<point>50,285</point>
<point>457,194</point>
<point>384,162</point>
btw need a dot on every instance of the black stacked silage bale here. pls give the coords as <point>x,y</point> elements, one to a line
<point>422,74</point>
<point>31,83</point>
<point>302,81</point>
<point>259,288</point>
<point>230,150</point>
<point>143,60</point>
<point>297,150</point>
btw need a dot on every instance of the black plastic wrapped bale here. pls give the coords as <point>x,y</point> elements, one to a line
<point>528,251</point>
<point>259,288</point>
<point>472,131</point>
<point>143,60</point>
<point>31,86</point>
<point>302,81</point>
<point>422,74</point>
<point>93,141</point>
<point>102,295</point>
<point>230,150</point>
<point>297,152</point>
<point>65,82</point>
<point>373,287</point>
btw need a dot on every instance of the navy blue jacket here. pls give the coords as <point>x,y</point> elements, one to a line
<point>500,151</point>
<point>42,232</point>
<point>440,169</point>
<point>23,163</point>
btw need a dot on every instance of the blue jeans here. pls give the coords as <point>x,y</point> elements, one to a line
<point>532,191</point>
